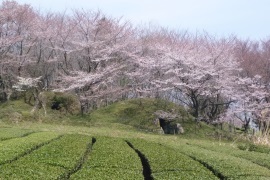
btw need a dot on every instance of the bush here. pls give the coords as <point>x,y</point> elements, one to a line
<point>229,161</point>
<point>111,158</point>
<point>244,147</point>
<point>68,102</point>
<point>17,147</point>
<point>167,163</point>
<point>259,148</point>
<point>254,147</point>
<point>51,161</point>
<point>9,133</point>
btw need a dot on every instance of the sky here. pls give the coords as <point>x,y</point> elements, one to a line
<point>247,19</point>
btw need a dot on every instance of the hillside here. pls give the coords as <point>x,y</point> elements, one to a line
<point>137,114</point>
<point>120,142</point>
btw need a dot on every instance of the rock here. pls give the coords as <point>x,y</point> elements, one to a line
<point>179,129</point>
<point>167,122</point>
<point>165,115</point>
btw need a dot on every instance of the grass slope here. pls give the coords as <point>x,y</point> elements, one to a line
<point>139,113</point>
<point>131,114</point>
<point>136,112</point>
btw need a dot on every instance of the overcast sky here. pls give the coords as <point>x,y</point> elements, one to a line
<point>244,18</point>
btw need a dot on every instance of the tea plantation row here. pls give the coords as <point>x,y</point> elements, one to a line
<point>25,154</point>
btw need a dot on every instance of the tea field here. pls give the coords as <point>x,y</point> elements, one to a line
<point>40,151</point>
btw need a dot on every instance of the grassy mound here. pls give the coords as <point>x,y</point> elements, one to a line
<point>137,112</point>
<point>128,114</point>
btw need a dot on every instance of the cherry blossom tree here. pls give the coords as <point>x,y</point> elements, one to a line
<point>252,102</point>
<point>104,59</point>
<point>32,85</point>
<point>254,86</point>
<point>102,50</point>
<point>17,22</point>
<point>200,71</point>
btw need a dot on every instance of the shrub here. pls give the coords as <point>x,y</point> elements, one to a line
<point>13,148</point>
<point>259,148</point>
<point>9,133</point>
<point>111,158</point>
<point>229,162</point>
<point>68,102</point>
<point>255,157</point>
<point>254,147</point>
<point>167,163</point>
<point>51,161</point>
<point>244,147</point>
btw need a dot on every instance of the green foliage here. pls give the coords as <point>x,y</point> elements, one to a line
<point>175,175</point>
<point>17,111</point>
<point>243,147</point>
<point>111,158</point>
<point>44,155</point>
<point>167,163</point>
<point>138,113</point>
<point>9,133</point>
<point>12,111</point>
<point>50,161</point>
<point>64,152</point>
<point>28,155</point>
<point>226,164</point>
<point>109,174</point>
<point>259,148</point>
<point>14,148</point>
<point>68,102</point>
<point>226,148</point>
<point>129,114</point>
<point>254,147</point>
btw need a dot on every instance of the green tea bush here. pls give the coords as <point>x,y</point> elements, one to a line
<point>167,163</point>
<point>226,165</point>
<point>259,148</point>
<point>109,174</point>
<point>243,147</point>
<point>14,148</point>
<point>253,156</point>
<point>51,161</point>
<point>111,158</point>
<point>9,133</point>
